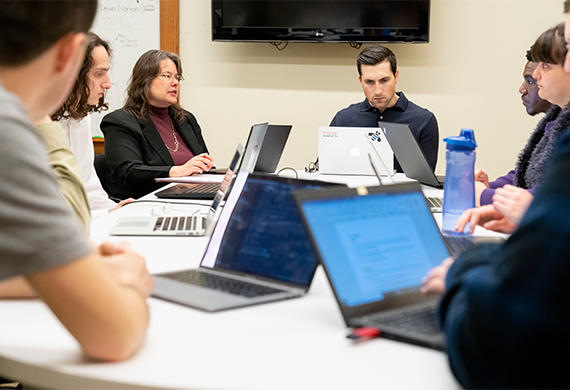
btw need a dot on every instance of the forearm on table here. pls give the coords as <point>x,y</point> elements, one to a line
<point>107,319</point>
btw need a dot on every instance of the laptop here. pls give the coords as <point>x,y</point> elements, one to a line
<point>273,145</point>
<point>206,191</point>
<point>435,202</point>
<point>259,251</point>
<point>176,224</point>
<point>375,245</point>
<point>344,150</point>
<point>409,154</point>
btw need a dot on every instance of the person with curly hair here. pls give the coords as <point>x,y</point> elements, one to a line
<point>86,97</point>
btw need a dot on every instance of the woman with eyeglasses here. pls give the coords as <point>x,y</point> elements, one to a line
<point>152,136</point>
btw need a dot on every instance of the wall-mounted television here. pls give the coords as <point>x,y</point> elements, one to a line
<point>353,21</point>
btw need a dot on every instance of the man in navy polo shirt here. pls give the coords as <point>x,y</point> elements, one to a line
<point>378,76</point>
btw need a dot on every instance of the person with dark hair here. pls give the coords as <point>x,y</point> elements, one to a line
<point>504,201</point>
<point>505,310</point>
<point>529,168</point>
<point>98,295</point>
<point>378,75</point>
<point>87,96</point>
<point>152,136</point>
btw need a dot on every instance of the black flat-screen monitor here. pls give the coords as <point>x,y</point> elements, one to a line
<point>358,21</point>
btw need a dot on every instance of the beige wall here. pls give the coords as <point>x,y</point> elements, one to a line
<point>468,75</point>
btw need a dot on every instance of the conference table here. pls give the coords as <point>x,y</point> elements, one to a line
<point>293,344</point>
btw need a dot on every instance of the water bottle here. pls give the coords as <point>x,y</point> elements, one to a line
<point>459,186</point>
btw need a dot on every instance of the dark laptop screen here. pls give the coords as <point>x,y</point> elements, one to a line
<point>375,246</point>
<point>264,235</point>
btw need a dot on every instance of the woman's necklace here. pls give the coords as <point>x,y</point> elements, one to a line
<point>176,144</point>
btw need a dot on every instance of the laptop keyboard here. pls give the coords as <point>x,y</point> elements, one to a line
<point>195,223</point>
<point>221,283</point>
<point>422,320</point>
<point>435,203</point>
<point>458,244</point>
<point>205,188</point>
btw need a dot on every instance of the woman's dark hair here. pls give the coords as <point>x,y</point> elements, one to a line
<point>76,106</point>
<point>550,46</point>
<point>145,71</point>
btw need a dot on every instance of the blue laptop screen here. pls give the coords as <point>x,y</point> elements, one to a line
<point>375,245</point>
<point>265,235</point>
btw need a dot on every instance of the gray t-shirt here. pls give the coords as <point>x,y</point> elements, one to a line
<point>37,231</point>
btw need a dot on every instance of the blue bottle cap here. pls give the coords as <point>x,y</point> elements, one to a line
<point>465,140</point>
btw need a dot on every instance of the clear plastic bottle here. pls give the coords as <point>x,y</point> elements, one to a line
<point>459,187</point>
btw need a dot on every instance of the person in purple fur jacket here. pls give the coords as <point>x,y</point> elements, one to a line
<point>529,157</point>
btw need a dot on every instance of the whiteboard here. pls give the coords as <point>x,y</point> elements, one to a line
<point>132,27</point>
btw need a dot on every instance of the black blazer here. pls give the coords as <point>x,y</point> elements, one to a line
<point>136,154</point>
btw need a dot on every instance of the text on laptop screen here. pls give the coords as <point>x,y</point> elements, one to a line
<point>375,245</point>
<point>265,235</point>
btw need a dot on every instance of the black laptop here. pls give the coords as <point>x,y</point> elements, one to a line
<point>259,251</point>
<point>263,151</point>
<point>376,244</point>
<point>409,154</point>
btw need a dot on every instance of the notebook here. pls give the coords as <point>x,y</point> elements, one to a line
<point>175,224</point>
<point>259,250</point>
<point>206,191</point>
<point>409,154</point>
<point>344,150</point>
<point>375,245</point>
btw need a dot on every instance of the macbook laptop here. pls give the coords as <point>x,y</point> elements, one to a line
<point>176,224</point>
<point>259,250</point>
<point>375,245</point>
<point>409,154</point>
<point>344,150</point>
<point>208,191</point>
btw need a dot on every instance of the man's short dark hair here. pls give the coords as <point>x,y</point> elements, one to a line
<point>30,28</point>
<point>373,55</point>
<point>567,6</point>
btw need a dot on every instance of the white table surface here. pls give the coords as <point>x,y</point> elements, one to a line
<point>293,344</point>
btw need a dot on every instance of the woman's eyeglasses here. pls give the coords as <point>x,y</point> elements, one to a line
<point>168,77</point>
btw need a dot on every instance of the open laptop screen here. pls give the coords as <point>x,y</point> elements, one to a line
<point>375,246</point>
<point>264,234</point>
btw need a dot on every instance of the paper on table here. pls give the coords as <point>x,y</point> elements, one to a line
<point>203,178</point>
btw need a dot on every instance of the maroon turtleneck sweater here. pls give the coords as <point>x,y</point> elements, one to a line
<point>161,120</point>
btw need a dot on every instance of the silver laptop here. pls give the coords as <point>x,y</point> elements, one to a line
<point>435,202</point>
<point>376,244</point>
<point>170,222</point>
<point>344,150</point>
<point>259,251</point>
<point>409,154</point>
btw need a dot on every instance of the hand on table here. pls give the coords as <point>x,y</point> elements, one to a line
<point>128,267</point>
<point>121,204</point>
